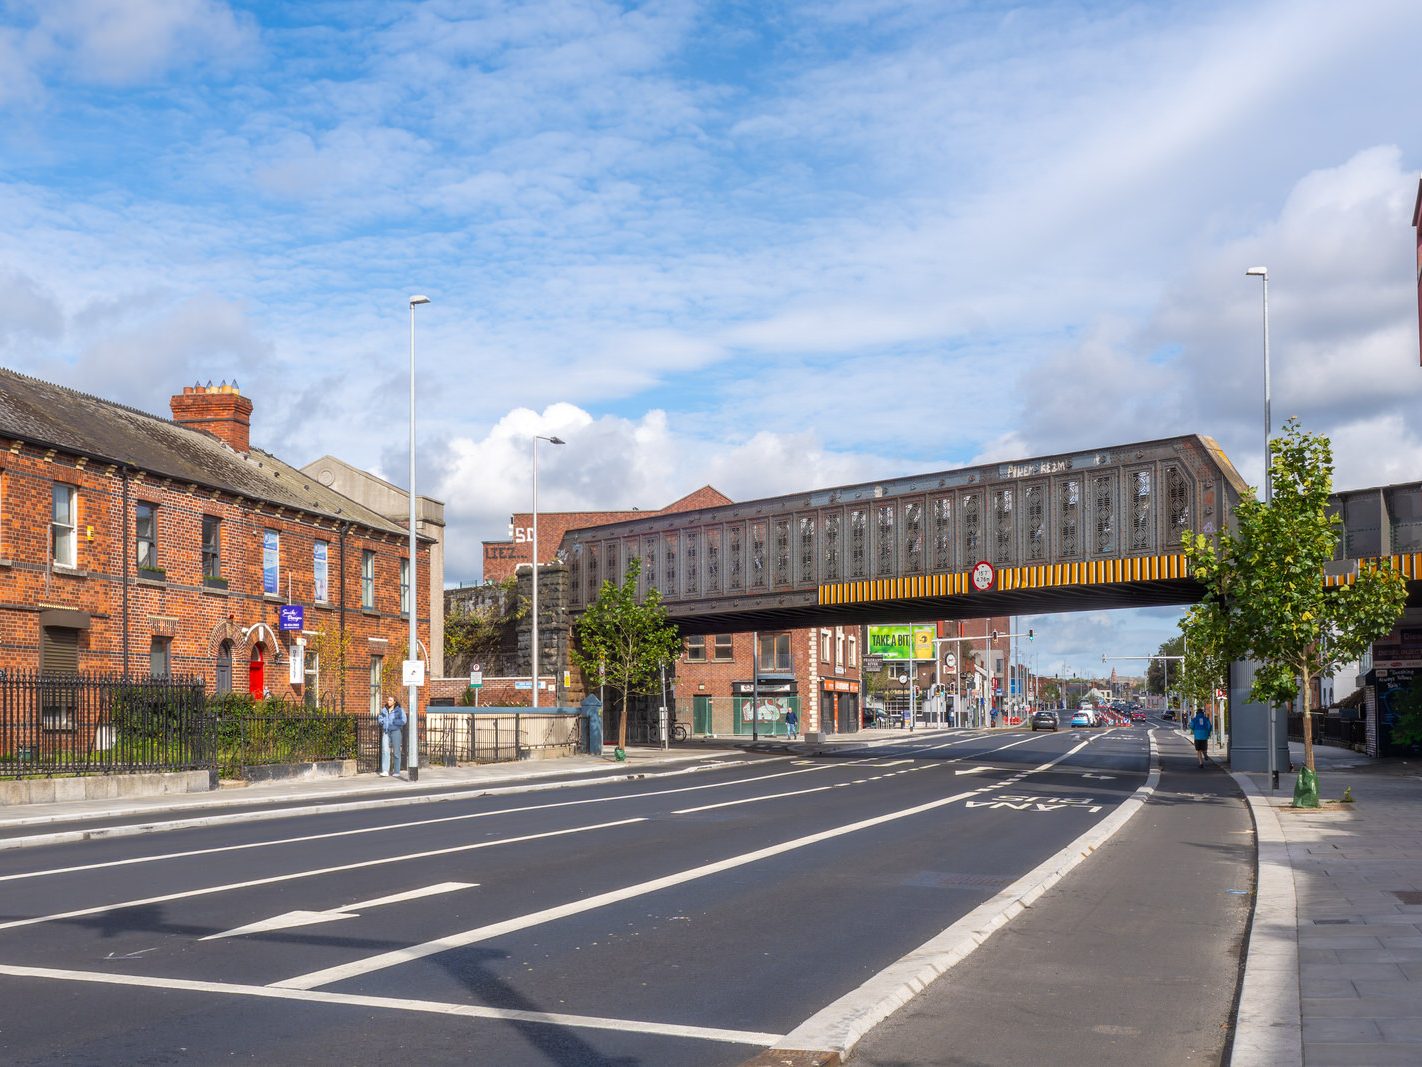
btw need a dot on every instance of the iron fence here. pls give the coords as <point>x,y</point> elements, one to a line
<point>1330,729</point>
<point>101,724</point>
<point>272,732</point>
<point>488,736</point>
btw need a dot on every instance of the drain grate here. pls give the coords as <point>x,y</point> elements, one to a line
<point>1332,922</point>
<point>1408,896</point>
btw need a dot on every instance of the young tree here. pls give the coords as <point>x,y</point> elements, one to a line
<point>1265,591</point>
<point>1159,671</point>
<point>624,641</point>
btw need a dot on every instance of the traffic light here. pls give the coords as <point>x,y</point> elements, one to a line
<point>1031,634</point>
<point>994,635</point>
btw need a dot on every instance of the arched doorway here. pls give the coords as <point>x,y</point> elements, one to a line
<point>256,671</point>
<point>224,667</point>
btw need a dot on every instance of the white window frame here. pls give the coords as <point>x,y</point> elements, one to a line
<point>367,579</point>
<point>271,561</point>
<point>404,586</point>
<point>321,572</point>
<point>61,530</point>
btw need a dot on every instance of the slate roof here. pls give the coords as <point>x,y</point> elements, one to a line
<point>70,421</point>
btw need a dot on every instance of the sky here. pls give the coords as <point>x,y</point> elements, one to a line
<point>768,246</point>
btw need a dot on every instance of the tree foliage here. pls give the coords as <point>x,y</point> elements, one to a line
<point>1156,670</point>
<point>624,641</point>
<point>1265,593</point>
<point>474,635</point>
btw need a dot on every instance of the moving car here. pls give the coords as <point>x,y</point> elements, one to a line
<point>1083,718</point>
<point>1044,720</point>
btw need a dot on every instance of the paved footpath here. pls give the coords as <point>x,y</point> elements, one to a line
<point>1334,974</point>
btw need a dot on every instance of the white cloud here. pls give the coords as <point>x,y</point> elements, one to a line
<point>122,42</point>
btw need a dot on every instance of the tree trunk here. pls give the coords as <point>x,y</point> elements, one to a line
<point>622,723</point>
<point>1307,720</point>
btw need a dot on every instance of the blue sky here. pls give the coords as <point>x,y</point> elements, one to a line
<point>761,245</point>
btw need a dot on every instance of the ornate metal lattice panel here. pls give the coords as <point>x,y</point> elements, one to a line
<point>1069,518</point>
<point>594,581</point>
<point>575,571</point>
<point>735,558</point>
<point>1034,533</point>
<point>781,573</point>
<point>1002,525</point>
<point>669,561</point>
<point>628,554</point>
<point>1177,503</point>
<point>805,566</point>
<point>713,560</point>
<point>1142,510</point>
<point>757,555</point>
<point>833,550</point>
<point>858,536</point>
<point>691,562</point>
<point>650,562</point>
<point>884,515</point>
<point>970,513</point>
<point>1103,511</point>
<point>913,537</point>
<point>941,517</point>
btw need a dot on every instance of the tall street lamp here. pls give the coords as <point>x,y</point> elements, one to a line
<point>534,642</point>
<point>1263,274</point>
<point>411,700</point>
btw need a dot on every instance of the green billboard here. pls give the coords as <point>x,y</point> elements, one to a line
<point>902,642</point>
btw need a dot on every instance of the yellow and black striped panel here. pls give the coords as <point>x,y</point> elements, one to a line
<point>1037,576</point>
<point>1409,565</point>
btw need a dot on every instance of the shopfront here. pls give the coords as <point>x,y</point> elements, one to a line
<point>761,706</point>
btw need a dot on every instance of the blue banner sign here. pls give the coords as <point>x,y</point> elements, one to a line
<point>293,617</point>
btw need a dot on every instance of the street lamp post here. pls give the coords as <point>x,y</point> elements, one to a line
<point>534,635</point>
<point>413,694</point>
<point>1262,273</point>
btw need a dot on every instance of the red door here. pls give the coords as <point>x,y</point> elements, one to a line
<point>256,673</point>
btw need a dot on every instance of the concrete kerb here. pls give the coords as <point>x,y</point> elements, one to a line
<point>829,1036</point>
<point>1269,1025</point>
<point>387,799</point>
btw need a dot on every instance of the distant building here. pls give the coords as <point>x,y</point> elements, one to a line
<point>393,503</point>
<point>136,545</point>
<point>502,558</point>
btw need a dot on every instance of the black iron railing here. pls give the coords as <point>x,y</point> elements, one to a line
<point>272,732</point>
<point>1330,729</point>
<point>490,736</point>
<point>102,724</point>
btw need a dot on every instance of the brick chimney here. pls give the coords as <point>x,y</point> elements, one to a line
<point>216,409</point>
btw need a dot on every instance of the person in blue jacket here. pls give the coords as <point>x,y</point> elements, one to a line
<point>392,737</point>
<point>1201,728</point>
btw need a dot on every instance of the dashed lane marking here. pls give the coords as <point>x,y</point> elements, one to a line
<point>294,875</point>
<point>292,919</point>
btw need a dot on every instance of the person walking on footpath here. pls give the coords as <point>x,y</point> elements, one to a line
<point>1201,728</point>
<point>392,737</point>
<point>792,724</point>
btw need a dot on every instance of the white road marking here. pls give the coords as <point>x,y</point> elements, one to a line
<point>754,800</point>
<point>839,1026</point>
<point>1102,777</point>
<point>290,919</point>
<point>973,770</point>
<point>402,825</point>
<point>272,879</point>
<point>394,958</point>
<point>431,1007</point>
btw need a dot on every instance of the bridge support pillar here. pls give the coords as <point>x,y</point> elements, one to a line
<point>1249,726</point>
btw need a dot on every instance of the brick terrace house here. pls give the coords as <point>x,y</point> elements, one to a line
<point>816,671</point>
<point>132,544</point>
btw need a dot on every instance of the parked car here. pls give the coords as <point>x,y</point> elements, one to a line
<point>1044,720</point>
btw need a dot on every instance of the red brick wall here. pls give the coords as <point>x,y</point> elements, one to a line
<point>196,618</point>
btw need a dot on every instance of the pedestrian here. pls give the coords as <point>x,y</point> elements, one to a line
<point>792,724</point>
<point>1201,728</point>
<point>994,717</point>
<point>392,737</point>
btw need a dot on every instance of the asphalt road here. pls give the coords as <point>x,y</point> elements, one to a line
<point>678,919</point>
